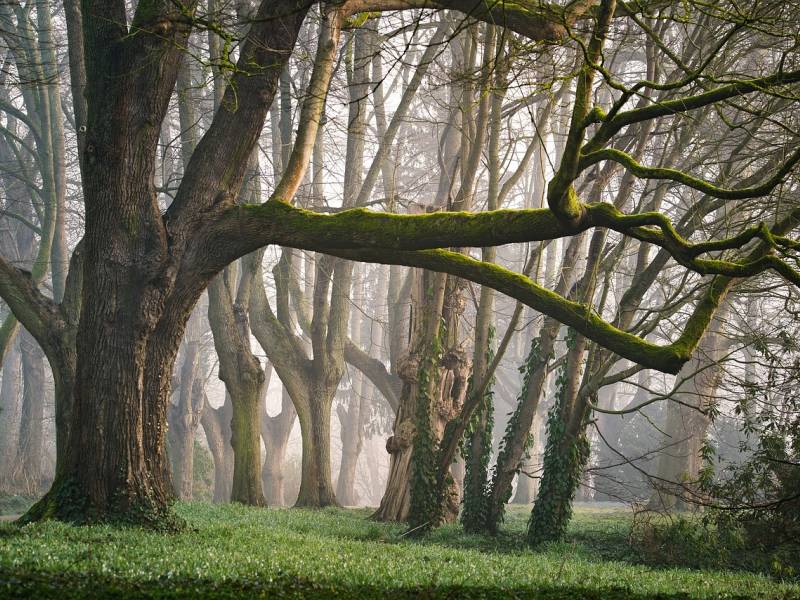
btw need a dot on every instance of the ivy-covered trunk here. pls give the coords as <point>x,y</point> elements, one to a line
<point>516,440</point>
<point>441,386</point>
<point>566,452</point>
<point>434,388</point>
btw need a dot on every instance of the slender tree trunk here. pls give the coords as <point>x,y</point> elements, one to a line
<point>28,472</point>
<point>244,381</point>
<point>352,421</point>
<point>680,460</point>
<point>352,418</point>
<point>217,426</point>
<point>184,423</point>
<point>527,484</point>
<point>9,414</point>
<point>275,432</point>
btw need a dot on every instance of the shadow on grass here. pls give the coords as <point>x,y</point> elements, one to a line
<point>41,584</point>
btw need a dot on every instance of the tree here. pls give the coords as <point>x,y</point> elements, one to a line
<point>113,338</point>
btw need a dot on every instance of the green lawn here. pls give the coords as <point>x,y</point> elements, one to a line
<point>233,551</point>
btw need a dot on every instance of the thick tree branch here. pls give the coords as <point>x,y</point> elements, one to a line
<point>389,385</point>
<point>37,313</point>
<point>668,358</point>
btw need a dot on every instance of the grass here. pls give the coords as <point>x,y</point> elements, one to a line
<point>233,551</point>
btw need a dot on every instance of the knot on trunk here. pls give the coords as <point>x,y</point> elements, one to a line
<point>402,438</point>
<point>408,368</point>
<point>452,502</point>
<point>455,360</point>
<point>454,302</point>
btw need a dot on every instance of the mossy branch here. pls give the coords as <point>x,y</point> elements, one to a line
<point>667,358</point>
<point>680,105</point>
<point>678,176</point>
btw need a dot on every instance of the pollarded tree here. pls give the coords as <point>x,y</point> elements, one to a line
<point>138,273</point>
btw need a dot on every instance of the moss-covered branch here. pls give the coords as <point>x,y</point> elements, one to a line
<point>680,105</point>
<point>245,228</point>
<point>678,176</point>
<point>664,358</point>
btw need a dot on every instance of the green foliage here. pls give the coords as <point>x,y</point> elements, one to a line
<point>708,543</point>
<point>476,492</point>
<point>232,551</point>
<point>762,494</point>
<point>66,502</point>
<point>563,464</point>
<point>532,362</point>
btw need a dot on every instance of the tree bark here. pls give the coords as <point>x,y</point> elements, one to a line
<point>680,459</point>
<point>316,484</point>
<point>244,381</point>
<point>217,426</point>
<point>9,414</point>
<point>275,432</point>
<point>28,471</point>
<point>185,417</point>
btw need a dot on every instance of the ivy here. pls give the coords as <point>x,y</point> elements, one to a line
<point>477,450</point>
<point>425,509</point>
<point>532,362</point>
<point>564,461</point>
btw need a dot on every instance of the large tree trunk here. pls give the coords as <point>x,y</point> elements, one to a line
<point>246,442</point>
<point>143,270</point>
<point>396,500</point>
<point>316,485</point>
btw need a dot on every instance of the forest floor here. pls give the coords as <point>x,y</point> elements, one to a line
<point>231,551</point>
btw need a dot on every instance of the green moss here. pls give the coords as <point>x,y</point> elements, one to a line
<point>68,503</point>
